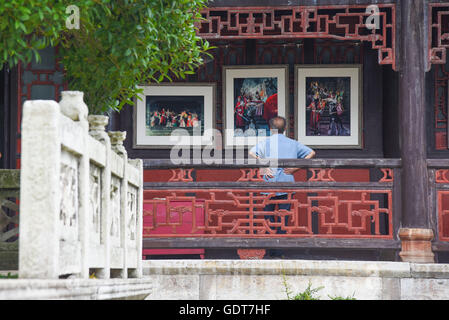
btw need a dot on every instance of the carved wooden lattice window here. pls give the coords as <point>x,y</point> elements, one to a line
<point>340,22</point>
<point>441,80</point>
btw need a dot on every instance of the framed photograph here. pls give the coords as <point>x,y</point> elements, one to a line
<point>252,95</point>
<point>328,106</point>
<point>174,114</point>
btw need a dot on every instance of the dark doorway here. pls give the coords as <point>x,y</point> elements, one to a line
<point>3,96</point>
<point>8,127</point>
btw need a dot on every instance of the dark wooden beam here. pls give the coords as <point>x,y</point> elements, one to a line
<point>8,116</point>
<point>226,243</point>
<point>221,185</point>
<point>438,163</point>
<point>415,201</point>
<point>12,107</point>
<point>274,3</point>
<point>149,164</point>
<point>3,122</point>
<point>440,246</point>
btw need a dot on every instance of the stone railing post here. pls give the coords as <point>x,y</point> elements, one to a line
<point>80,202</point>
<point>97,130</point>
<point>72,106</point>
<point>117,139</point>
<point>136,271</point>
<point>131,225</point>
<point>40,192</point>
<point>54,189</point>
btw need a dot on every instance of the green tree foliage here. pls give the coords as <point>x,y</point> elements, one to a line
<point>124,43</point>
<point>120,44</point>
<point>27,26</point>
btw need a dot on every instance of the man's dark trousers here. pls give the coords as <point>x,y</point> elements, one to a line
<point>272,218</point>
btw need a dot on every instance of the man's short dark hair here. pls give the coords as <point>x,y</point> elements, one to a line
<point>279,124</point>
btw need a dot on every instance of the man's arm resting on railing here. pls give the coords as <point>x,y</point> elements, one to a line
<point>263,171</point>
<point>289,171</point>
<point>292,171</point>
<point>311,155</point>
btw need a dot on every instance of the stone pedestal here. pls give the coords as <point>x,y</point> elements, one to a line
<point>417,245</point>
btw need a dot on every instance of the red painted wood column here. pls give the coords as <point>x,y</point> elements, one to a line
<point>416,235</point>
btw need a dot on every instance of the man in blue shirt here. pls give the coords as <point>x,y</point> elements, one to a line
<point>278,146</point>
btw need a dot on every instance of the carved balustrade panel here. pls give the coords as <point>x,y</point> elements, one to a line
<point>260,213</point>
<point>69,215</point>
<point>131,219</point>
<point>9,219</point>
<point>114,227</point>
<point>95,205</point>
<point>9,207</point>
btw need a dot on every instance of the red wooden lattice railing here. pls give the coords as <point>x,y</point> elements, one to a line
<point>240,213</point>
<point>439,188</point>
<point>343,203</point>
<point>329,200</point>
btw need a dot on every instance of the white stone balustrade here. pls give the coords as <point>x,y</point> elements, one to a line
<point>81,197</point>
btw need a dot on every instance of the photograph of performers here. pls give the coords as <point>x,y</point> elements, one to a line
<point>166,114</point>
<point>256,102</point>
<point>328,106</point>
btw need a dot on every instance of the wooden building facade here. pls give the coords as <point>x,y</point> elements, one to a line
<point>387,200</point>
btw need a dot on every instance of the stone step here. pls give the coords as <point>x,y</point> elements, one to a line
<point>269,279</point>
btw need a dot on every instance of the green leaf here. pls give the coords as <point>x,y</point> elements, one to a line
<point>120,44</point>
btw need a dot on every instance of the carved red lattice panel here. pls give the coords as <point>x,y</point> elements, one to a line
<point>443,215</point>
<point>441,99</point>
<point>316,175</point>
<point>442,176</point>
<point>341,22</point>
<point>388,175</point>
<point>438,32</point>
<point>254,175</point>
<point>240,213</point>
<point>438,45</point>
<point>181,175</point>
